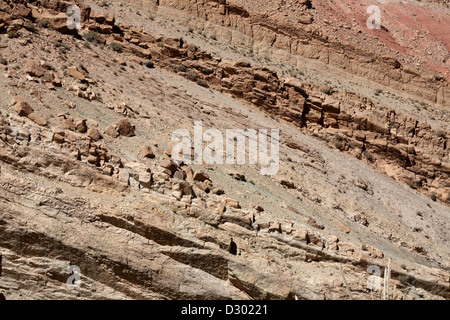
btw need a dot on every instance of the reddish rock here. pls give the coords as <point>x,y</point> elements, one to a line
<point>37,119</point>
<point>73,72</point>
<point>180,175</point>
<point>93,134</point>
<point>218,191</point>
<point>111,131</point>
<point>23,109</point>
<point>97,16</point>
<point>92,159</point>
<point>146,152</point>
<point>200,175</point>
<point>81,126</point>
<point>258,208</point>
<point>20,11</point>
<point>232,203</point>
<point>186,189</point>
<point>34,69</point>
<point>331,105</point>
<point>125,128</point>
<point>242,63</point>
<point>58,138</point>
<point>58,22</point>
<point>68,124</point>
<point>169,165</point>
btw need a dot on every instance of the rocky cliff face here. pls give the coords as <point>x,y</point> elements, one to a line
<point>87,180</point>
<point>299,31</point>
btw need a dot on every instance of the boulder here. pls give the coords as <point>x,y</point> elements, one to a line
<point>297,85</point>
<point>242,63</point>
<point>125,128</point>
<point>81,126</point>
<point>258,208</point>
<point>186,189</point>
<point>73,72</point>
<point>189,173</point>
<point>121,61</point>
<point>275,227</point>
<point>200,175</point>
<point>232,203</point>
<point>93,134</point>
<point>140,173</point>
<point>204,186</point>
<point>92,159</point>
<point>37,119</point>
<point>180,175</point>
<point>288,184</point>
<point>98,16</point>
<point>146,152</point>
<point>302,235</point>
<point>58,138</point>
<point>332,243</point>
<point>169,165</point>
<point>68,124</point>
<point>331,105</point>
<point>23,109</point>
<point>112,131</point>
<point>19,11</point>
<point>58,22</point>
<point>218,191</point>
<point>34,69</point>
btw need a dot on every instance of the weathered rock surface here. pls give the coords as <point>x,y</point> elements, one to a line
<point>141,226</point>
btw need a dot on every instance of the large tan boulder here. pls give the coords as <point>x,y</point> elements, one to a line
<point>200,175</point>
<point>37,119</point>
<point>58,22</point>
<point>331,105</point>
<point>34,69</point>
<point>146,152</point>
<point>140,173</point>
<point>125,128</point>
<point>73,72</point>
<point>93,134</point>
<point>81,126</point>
<point>112,131</point>
<point>23,109</point>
